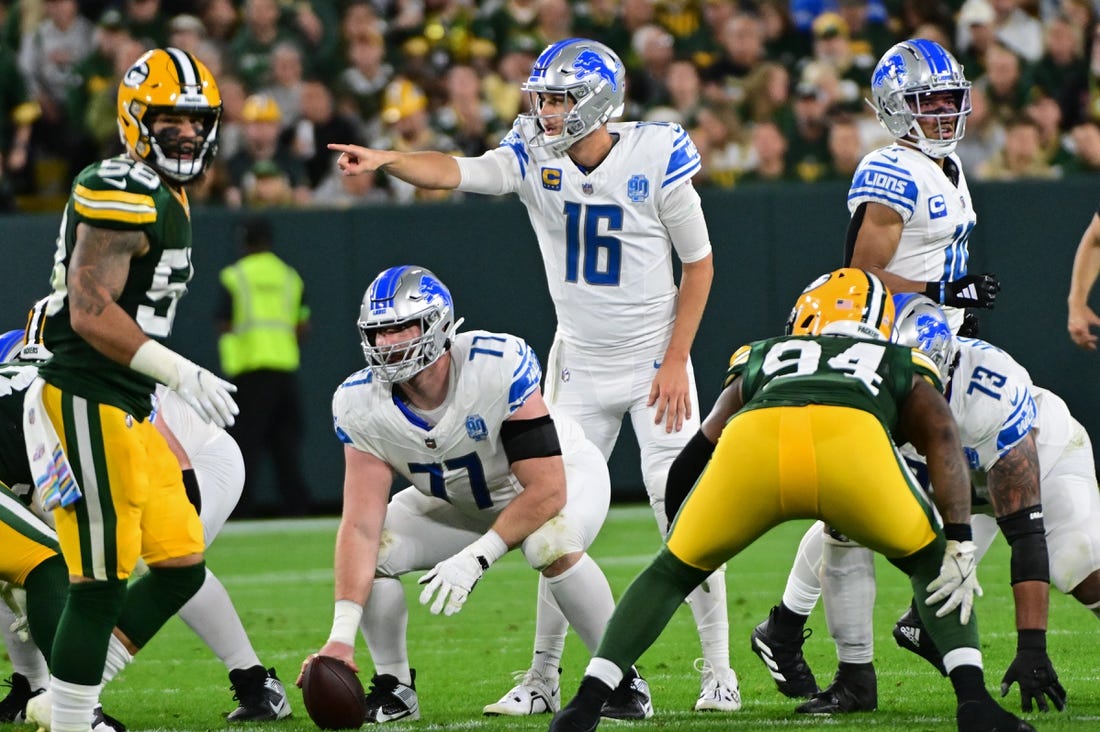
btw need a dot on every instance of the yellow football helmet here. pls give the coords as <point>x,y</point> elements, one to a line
<point>847,302</point>
<point>168,80</point>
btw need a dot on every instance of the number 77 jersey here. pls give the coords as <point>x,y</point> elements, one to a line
<point>123,195</point>
<point>457,456</point>
<point>601,232</point>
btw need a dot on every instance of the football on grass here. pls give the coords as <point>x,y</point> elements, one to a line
<point>333,694</point>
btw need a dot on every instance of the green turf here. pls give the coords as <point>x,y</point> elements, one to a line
<point>279,574</point>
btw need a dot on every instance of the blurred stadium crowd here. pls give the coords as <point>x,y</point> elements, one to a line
<point>770,90</point>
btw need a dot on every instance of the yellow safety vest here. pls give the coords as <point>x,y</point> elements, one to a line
<point>267,308</point>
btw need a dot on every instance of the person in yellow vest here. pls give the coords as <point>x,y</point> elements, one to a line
<point>262,318</point>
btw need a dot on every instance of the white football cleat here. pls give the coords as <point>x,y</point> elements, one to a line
<point>534,694</point>
<point>39,710</point>
<point>720,691</point>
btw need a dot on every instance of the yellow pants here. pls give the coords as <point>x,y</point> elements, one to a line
<point>772,465</point>
<point>133,503</point>
<point>26,540</point>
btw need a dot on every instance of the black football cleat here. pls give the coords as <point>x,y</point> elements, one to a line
<point>854,689</point>
<point>911,635</point>
<point>781,652</point>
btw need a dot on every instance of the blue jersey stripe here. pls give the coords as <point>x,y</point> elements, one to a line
<point>878,193</point>
<point>512,140</point>
<point>1017,425</point>
<point>525,379</point>
<point>692,170</point>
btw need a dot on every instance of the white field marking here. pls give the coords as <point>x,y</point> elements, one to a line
<point>279,526</point>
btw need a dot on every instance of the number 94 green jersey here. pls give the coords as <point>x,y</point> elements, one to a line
<point>873,376</point>
<point>125,195</point>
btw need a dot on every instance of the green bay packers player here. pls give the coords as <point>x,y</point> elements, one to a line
<point>123,260</point>
<point>783,429</point>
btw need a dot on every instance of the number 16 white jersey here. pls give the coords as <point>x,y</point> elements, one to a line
<point>606,250</point>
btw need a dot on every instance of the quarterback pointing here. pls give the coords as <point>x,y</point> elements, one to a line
<point>461,417</point>
<point>609,203</point>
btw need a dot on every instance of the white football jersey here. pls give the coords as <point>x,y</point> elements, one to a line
<point>937,216</point>
<point>460,459</point>
<point>607,254</point>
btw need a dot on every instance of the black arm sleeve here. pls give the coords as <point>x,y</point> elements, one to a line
<point>529,438</point>
<point>853,231</point>
<point>685,471</point>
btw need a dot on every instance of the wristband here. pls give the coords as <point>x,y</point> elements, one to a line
<point>158,362</point>
<point>489,547</point>
<point>958,532</point>
<point>345,622</point>
<point>935,291</point>
<point>1031,639</point>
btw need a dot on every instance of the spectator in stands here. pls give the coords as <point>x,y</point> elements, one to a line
<point>808,144</point>
<point>220,19</point>
<point>1021,157</point>
<point>360,85</point>
<point>255,40</point>
<point>146,22</point>
<point>685,92</point>
<point>266,185</point>
<point>1086,147</point>
<point>1004,83</point>
<point>261,118</point>
<point>768,96</point>
<point>287,79</point>
<point>647,80</point>
<point>845,148</point>
<point>706,47</point>
<point>741,53</point>
<point>98,74</point>
<point>554,21</point>
<point>187,33</point>
<point>509,24</point>
<point>1044,111</point>
<point>320,124</point>
<point>717,138</point>
<point>466,117</point>
<point>974,35</point>
<point>231,126</point>
<point>48,59</point>
<point>867,36</point>
<point>1017,30</point>
<point>783,42</point>
<point>316,26</point>
<point>502,89</point>
<point>98,113</point>
<point>832,51</point>
<point>601,19</point>
<point>768,159</point>
<point>1062,72</point>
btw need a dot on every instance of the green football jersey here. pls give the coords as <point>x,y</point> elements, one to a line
<point>874,376</point>
<point>119,193</point>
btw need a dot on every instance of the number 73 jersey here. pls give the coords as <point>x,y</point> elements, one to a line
<point>124,195</point>
<point>872,376</point>
<point>459,458</point>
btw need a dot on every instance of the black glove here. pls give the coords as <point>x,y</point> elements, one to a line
<point>971,325</point>
<point>1034,672</point>
<point>971,291</point>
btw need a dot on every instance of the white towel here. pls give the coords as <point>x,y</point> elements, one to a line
<point>54,482</point>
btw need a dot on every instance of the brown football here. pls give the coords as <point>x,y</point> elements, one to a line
<point>333,694</point>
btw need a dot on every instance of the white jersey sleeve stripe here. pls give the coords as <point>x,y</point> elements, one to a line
<point>514,142</point>
<point>525,379</point>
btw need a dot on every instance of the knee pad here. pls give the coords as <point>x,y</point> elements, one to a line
<point>552,541</point>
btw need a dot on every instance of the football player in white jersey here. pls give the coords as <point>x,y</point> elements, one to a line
<point>461,417</point>
<point>911,217</point>
<point>610,203</point>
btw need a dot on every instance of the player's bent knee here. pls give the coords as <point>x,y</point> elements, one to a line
<point>552,541</point>
<point>561,565</point>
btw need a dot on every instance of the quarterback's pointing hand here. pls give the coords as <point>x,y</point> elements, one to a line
<point>356,159</point>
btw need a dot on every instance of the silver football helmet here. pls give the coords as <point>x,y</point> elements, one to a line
<point>903,80</point>
<point>586,72</point>
<point>921,324</point>
<point>402,296</point>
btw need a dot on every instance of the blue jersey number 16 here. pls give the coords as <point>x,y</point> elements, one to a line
<point>583,223</point>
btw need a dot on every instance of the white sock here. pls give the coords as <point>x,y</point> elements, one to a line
<point>118,658</point>
<point>385,624</point>
<point>211,615</point>
<point>550,629</point>
<point>605,671</point>
<point>804,581</point>
<point>72,707</point>
<point>25,657</point>
<point>585,600</point>
<point>708,607</point>
<point>962,657</point>
<point>848,589</point>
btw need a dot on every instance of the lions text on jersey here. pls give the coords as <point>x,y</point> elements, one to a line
<point>460,459</point>
<point>937,215</point>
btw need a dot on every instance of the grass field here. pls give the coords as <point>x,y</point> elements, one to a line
<point>279,574</point>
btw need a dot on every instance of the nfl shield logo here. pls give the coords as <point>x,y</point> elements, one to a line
<point>475,427</point>
<point>587,188</point>
<point>637,188</point>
